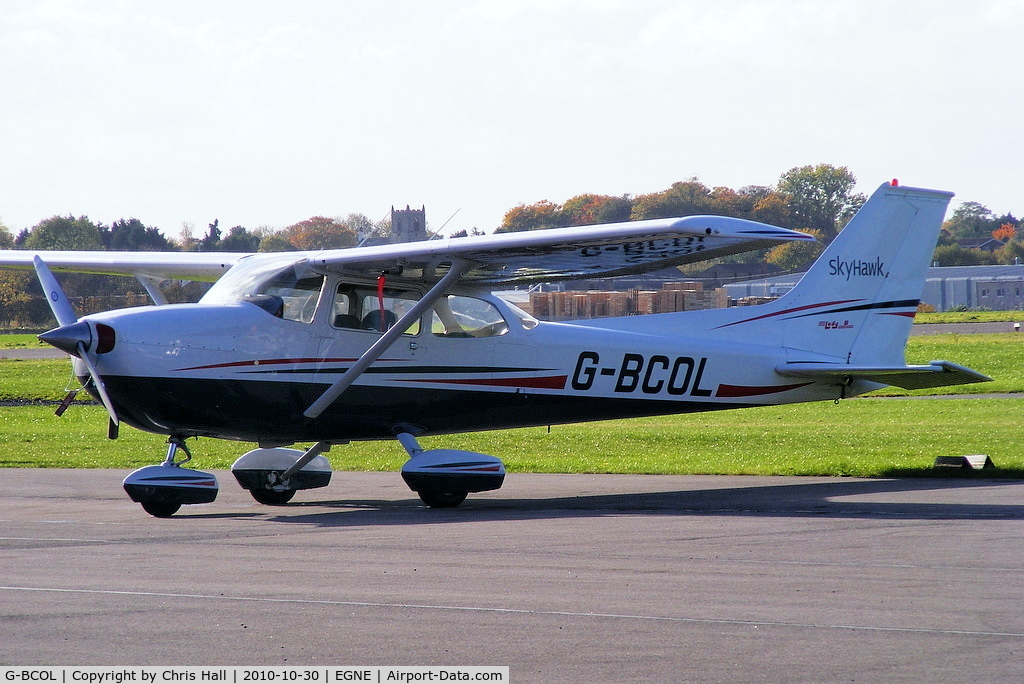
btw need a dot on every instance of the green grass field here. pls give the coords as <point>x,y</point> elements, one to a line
<point>863,437</point>
<point>970,317</point>
<point>1000,356</point>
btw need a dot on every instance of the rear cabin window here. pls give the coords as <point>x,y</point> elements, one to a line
<point>458,316</point>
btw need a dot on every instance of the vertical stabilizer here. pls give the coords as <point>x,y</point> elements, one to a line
<point>857,301</point>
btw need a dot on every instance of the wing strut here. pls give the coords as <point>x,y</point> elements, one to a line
<point>386,340</point>
<point>152,286</point>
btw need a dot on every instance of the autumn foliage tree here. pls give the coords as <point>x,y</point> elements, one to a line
<point>536,216</point>
<point>792,256</point>
<point>588,209</point>
<point>581,210</point>
<point>686,198</point>
<point>820,197</point>
<point>320,232</point>
<point>1005,232</point>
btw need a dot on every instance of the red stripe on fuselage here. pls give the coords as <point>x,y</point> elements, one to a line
<point>556,382</point>
<point>744,391</point>
<point>789,311</point>
<point>266,362</point>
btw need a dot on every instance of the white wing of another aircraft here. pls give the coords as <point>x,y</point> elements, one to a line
<point>201,266</point>
<point>543,255</point>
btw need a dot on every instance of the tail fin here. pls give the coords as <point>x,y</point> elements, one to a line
<point>848,319</point>
<point>857,301</point>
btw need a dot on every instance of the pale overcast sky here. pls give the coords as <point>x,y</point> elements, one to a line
<point>262,113</point>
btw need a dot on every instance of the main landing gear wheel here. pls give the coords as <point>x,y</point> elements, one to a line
<point>160,509</point>
<point>443,477</point>
<point>270,497</point>
<point>442,499</point>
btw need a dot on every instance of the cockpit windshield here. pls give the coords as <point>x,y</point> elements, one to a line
<point>280,286</point>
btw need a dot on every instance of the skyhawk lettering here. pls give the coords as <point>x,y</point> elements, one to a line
<point>853,267</point>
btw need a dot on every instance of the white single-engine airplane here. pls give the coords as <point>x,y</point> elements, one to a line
<point>403,340</point>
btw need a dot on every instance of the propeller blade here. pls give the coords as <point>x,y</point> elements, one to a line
<point>58,301</point>
<point>100,387</point>
<point>72,337</point>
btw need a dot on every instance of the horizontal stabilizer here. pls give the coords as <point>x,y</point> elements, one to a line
<point>935,374</point>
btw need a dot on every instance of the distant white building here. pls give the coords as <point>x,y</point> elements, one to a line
<point>999,288</point>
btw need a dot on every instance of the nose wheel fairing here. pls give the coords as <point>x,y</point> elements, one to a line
<point>162,489</point>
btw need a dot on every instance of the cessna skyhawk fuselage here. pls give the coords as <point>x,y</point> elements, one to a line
<point>407,340</point>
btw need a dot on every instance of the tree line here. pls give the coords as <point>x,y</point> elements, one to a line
<point>131,235</point>
<point>817,199</point>
<point>23,306</point>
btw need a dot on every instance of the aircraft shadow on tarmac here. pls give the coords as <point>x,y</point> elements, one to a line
<point>814,499</point>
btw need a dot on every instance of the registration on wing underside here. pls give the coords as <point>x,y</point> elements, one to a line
<point>623,258</point>
<point>563,253</point>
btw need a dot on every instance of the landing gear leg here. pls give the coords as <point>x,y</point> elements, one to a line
<point>173,444</point>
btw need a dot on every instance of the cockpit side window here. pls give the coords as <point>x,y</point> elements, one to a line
<point>344,313</point>
<point>361,308</point>
<point>459,316</point>
<point>298,295</point>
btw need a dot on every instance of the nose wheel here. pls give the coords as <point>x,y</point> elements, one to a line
<point>162,489</point>
<point>160,509</point>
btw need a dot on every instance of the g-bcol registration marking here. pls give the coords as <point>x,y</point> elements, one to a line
<point>650,375</point>
<point>642,250</point>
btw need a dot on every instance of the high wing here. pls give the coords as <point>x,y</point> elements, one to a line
<point>201,266</point>
<point>566,253</point>
<point>542,255</point>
